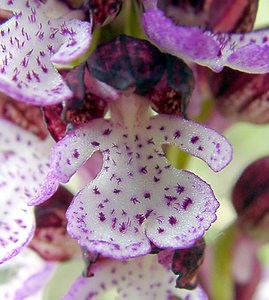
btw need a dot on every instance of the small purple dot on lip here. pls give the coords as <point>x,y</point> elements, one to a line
<point>194,139</point>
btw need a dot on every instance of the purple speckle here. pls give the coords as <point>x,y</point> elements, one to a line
<point>177,134</point>
<point>186,202</point>
<point>107,131</point>
<point>76,153</point>
<point>102,217</point>
<point>179,189</point>
<point>200,148</point>
<point>172,220</point>
<point>95,143</point>
<point>194,139</point>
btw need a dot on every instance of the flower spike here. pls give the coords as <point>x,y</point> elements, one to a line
<point>31,41</point>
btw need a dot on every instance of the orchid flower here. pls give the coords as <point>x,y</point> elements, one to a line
<point>25,276</point>
<point>38,35</point>
<point>247,52</point>
<point>138,197</point>
<point>24,162</point>
<point>139,278</point>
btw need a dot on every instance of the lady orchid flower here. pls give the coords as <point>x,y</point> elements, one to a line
<point>36,37</point>
<point>247,52</point>
<point>138,198</point>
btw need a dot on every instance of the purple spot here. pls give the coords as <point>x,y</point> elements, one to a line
<point>177,134</point>
<point>140,218</point>
<point>156,179</point>
<point>147,195</point>
<point>186,202</point>
<point>200,148</point>
<point>172,220</point>
<point>160,230</point>
<point>116,191</point>
<point>143,170</point>
<point>194,139</point>
<point>96,190</point>
<point>76,153</point>
<point>95,143</point>
<point>102,217</point>
<point>179,189</point>
<point>162,128</point>
<point>107,131</point>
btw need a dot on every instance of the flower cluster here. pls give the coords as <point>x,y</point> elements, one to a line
<point>95,105</point>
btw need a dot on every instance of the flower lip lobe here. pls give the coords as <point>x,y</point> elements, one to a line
<point>30,41</point>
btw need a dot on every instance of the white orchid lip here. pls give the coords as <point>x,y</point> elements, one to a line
<point>24,163</point>
<point>31,41</point>
<point>137,197</point>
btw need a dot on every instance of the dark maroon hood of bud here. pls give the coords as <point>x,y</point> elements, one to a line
<point>171,94</point>
<point>103,11</point>
<point>127,62</point>
<point>241,96</point>
<point>185,263</point>
<point>51,240</point>
<point>27,116</point>
<point>83,107</point>
<point>214,15</point>
<point>250,196</point>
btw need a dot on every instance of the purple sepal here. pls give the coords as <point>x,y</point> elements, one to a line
<point>245,52</point>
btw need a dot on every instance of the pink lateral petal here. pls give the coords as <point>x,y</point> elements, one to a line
<point>189,43</point>
<point>24,163</point>
<point>141,278</point>
<point>24,276</point>
<point>123,221</point>
<point>247,52</point>
<point>30,41</point>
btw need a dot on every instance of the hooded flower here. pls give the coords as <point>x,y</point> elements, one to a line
<point>138,197</point>
<point>247,52</point>
<point>38,35</point>
<point>141,278</point>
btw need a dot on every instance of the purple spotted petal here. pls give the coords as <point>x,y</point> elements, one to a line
<point>245,52</point>
<point>141,278</point>
<point>31,40</point>
<point>24,276</point>
<point>24,162</point>
<point>138,196</point>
